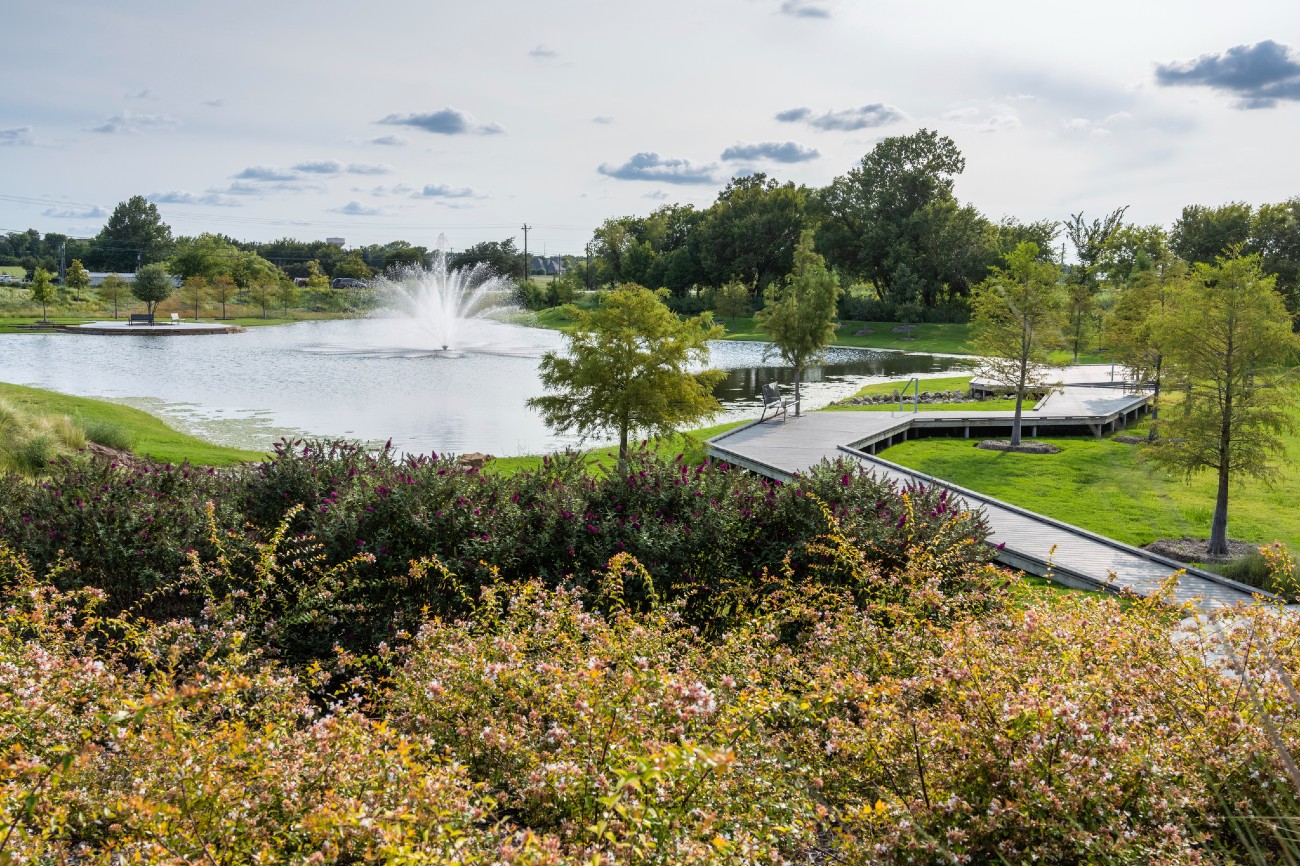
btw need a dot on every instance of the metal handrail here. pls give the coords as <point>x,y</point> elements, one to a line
<point>915,384</point>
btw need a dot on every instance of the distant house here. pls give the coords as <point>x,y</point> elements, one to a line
<point>549,265</point>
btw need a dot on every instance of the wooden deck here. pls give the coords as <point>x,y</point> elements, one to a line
<point>1028,541</point>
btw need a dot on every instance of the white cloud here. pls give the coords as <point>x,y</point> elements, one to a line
<point>93,212</point>
<point>356,208</point>
<point>648,165</point>
<point>131,122</point>
<point>180,196</point>
<point>17,136</point>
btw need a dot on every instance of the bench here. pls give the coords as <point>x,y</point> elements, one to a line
<point>176,319</point>
<point>773,400</point>
<point>140,319</point>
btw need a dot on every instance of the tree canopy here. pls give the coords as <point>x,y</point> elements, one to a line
<point>134,235</point>
<point>1016,319</point>
<point>628,366</point>
<point>153,285</point>
<point>799,315</point>
<point>1225,335</point>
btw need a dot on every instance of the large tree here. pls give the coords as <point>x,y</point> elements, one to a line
<point>1226,338</point>
<point>1016,320</point>
<point>1202,234</point>
<point>884,221</point>
<point>799,315</point>
<point>501,257</point>
<point>205,256</point>
<point>194,291</point>
<point>134,235</point>
<point>1275,235</point>
<point>629,366</point>
<point>750,232</point>
<point>153,285</point>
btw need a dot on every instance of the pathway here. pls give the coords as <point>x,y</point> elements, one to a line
<point>1030,542</point>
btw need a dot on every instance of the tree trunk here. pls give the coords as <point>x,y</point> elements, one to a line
<point>622,445</point>
<point>798,369</point>
<point>1219,523</point>
<point>1155,403</point>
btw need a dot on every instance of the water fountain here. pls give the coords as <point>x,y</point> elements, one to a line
<point>447,303</point>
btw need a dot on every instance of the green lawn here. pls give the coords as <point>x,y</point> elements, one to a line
<point>943,383</point>
<point>1104,486</point>
<point>147,435</point>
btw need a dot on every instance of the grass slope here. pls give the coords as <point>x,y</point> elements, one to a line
<point>148,436</point>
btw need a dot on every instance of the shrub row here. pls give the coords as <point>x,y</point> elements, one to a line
<point>709,534</point>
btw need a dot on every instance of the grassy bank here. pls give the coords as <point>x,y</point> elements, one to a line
<point>141,432</point>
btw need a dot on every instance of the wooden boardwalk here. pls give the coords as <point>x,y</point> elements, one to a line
<point>1029,541</point>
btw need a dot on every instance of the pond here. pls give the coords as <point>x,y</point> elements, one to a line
<point>376,379</point>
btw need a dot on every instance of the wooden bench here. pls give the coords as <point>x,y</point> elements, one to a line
<point>773,400</point>
<point>140,319</point>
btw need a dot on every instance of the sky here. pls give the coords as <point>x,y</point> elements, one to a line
<point>408,120</point>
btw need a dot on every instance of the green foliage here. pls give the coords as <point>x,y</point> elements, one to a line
<point>1225,334</point>
<point>43,290</point>
<point>732,301</point>
<point>153,285</point>
<point>113,289</point>
<point>193,292</point>
<point>29,444</point>
<point>751,231</point>
<point>799,315</point>
<point>1092,243</point>
<point>1016,319</point>
<point>627,367</point>
<point>133,235</point>
<point>77,278</point>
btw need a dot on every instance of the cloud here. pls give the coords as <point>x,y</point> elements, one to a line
<point>603,119</point>
<point>777,151</point>
<point>369,168</point>
<point>804,9</point>
<point>390,140</point>
<point>264,187</point>
<point>395,189</point>
<point>991,117</point>
<point>651,166</point>
<point>1097,128</point>
<point>845,120</point>
<point>214,103</point>
<point>95,212</point>
<point>180,196</point>
<point>320,166</point>
<point>145,93</point>
<point>17,136</point>
<point>656,194</point>
<point>1258,75</point>
<point>129,121</point>
<point>265,172</point>
<point>356,208</point>
<point>448,121</point>
<point>541,52</point>
<point>442,190</point>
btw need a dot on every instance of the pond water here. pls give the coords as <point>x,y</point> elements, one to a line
<point>378,379</point>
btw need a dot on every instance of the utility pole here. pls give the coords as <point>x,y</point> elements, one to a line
<point>588,274</point>
<point>526,228</point>
<point>63,263</point>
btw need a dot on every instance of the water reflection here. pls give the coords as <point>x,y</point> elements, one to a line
<point>334,379</point>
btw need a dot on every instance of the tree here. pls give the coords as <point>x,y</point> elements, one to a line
<point>750,232</point>
<point>206,256</point>
<point>194,291</point>
<point>627,367</point>
<point>286,292</point>
<point>153,285</point>
<point>1202,234</point>
<point>880,222</point>
<point>257,278</point>
<point>731,301</point>
<point>222,289</point>
<point>1016,319</point>
<point>1132,326</point>
<point>799,314</point>
<point>501,257</point>
<point>1275,235</point>
<point>355,267</point>
<point>1091,242</point>
<point>112,290</point>
<point>77,279</point>
<point>134,234</point>
<point>43,291</point>
<point>1226,336</point>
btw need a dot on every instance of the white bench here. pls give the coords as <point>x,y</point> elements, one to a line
<point>773,400</point>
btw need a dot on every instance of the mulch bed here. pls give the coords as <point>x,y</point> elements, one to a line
<point>1193,549</point>
<point>1130,440</point>
<point>1025,446</point>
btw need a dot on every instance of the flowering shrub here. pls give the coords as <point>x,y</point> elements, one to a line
<point>705,533</point>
